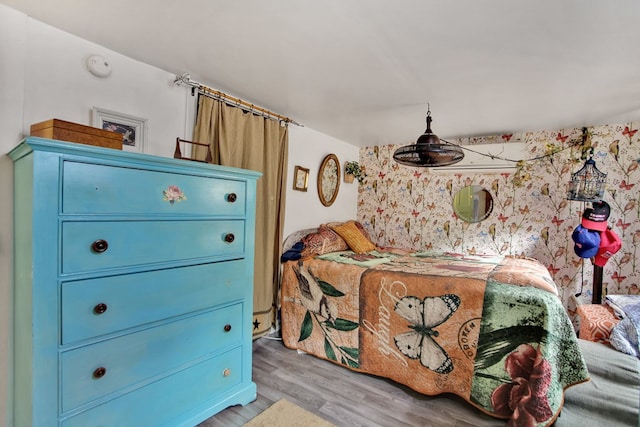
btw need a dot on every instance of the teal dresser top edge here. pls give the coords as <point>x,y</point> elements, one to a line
<point>30,144</point>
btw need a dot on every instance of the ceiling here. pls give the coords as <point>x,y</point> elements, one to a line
<point>363,71</point>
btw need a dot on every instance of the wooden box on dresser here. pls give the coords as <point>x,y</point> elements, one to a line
<point>133,287</point>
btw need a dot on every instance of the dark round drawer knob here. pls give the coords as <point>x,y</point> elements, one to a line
<point>100,246</point>
<point>99,372</point>
<point>232,197</point>
<point>227,328</point>
<point>100,308</point>
<point>229,237</point>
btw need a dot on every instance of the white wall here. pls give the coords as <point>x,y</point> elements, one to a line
<point>43,76</point>
<point>58,85</point>
<point>12,51</point>
<point>307,148</point>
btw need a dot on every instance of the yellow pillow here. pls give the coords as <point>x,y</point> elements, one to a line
<point>354,237</point>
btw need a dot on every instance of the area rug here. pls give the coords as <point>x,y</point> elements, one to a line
<point>285,414</point>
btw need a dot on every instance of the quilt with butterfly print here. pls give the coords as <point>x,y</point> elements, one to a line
<point>490,329</point>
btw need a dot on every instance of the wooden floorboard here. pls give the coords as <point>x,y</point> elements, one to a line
<point>343,397</point>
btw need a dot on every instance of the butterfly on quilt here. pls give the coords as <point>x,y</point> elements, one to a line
<point>423,316</point>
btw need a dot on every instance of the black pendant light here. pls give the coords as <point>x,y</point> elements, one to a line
<point>428,151</point>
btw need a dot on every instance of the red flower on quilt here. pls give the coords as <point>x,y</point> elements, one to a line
<point>524,399</point>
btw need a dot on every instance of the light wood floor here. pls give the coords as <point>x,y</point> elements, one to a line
<point>341,396</point>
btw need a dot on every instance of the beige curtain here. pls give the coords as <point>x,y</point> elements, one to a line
<point>241,139</point>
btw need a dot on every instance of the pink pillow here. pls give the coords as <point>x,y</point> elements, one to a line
<point>325,240</point>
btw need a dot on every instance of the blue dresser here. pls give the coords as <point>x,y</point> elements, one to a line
<point>133,287</point>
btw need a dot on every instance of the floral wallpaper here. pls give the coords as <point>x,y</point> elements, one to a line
<point>411,207</point>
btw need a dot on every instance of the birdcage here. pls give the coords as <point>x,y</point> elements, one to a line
<point>587,185</point>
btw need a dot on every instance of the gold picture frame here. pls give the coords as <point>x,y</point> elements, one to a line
<point>300,178</point>
<point>329,179</point>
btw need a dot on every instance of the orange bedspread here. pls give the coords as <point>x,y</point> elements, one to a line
<point>489,329</point>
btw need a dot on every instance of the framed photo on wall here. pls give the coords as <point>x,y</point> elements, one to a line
<point>300,178</point>
<point>133,129</point>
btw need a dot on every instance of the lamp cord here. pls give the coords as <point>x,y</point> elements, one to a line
<point>543,156</point>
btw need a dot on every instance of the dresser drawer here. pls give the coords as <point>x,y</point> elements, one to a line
<point>95,307</point>
<point>101,189</point>
<point>131,243</point>
<point>162,401</point>
<point>132,358</point>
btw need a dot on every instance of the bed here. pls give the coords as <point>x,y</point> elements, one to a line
<point>490,329</point>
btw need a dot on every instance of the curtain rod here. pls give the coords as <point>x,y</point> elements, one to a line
<point>185,78</point>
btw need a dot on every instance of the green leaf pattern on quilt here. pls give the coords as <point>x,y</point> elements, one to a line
<point>517,337</point>
<point>322,311</point>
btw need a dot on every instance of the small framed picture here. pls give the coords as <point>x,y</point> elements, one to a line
<point>133,129</point>
<point>300,178</point>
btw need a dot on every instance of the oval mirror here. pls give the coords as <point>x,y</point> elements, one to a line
<point>473,203</point>
<point>329,179</point>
